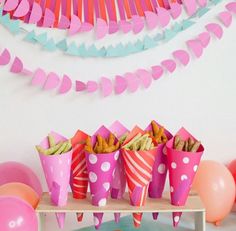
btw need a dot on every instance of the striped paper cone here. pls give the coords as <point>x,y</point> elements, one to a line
<point>138,169</point>
<point>79,174</point>
<point>157,184</point>
<point>182,169</point>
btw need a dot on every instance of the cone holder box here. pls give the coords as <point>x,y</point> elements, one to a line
<point>193,205</point>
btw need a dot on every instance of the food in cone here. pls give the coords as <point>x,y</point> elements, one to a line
<point>119,180</point>
<point>55,153</point>
<point>184,153</point>
<point>79,173</point>
<point>102,153</point>
<point>157,184</point>
<point>139,151</point>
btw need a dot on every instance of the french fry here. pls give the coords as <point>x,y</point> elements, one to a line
<point>159,134</point>
<point>186,146</point>
<point>89,149</point>
<point>176,141</point>
<point>111,139</point>
<point>190,143</point>
<point>195,146</point>
<point>155,128</point>
<point>180,145</point>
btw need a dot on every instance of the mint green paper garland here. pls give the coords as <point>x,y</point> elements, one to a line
<point>119,50</point>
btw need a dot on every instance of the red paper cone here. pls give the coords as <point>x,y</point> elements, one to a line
<point>182,169</point>
<point>138,168</point>
<point>79,173</point>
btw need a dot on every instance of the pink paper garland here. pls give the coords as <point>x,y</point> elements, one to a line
<point>35,13</point>
<point>130,81</point>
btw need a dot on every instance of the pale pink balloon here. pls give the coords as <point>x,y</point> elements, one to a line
<point>216,187</point>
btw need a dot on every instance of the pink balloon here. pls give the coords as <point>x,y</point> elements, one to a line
<point>215,185</point>
<point>17,172</point>
<point>17,215</point>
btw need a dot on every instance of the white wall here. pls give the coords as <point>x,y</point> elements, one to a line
<point>200,97</point>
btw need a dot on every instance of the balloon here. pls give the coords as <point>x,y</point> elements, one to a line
<point>17,172</point>
<point>16,215</point>
<point>232,169</point>
<point>21,191</point>
<point>215,185</point>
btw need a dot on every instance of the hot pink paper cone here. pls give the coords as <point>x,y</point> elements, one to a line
<point>182,169</point>
<point>119,181</point>
<point>157,184</point>
<point>138,168</point>
<point>79,173</point>
<point>101,169</point>
<point>57,173</point>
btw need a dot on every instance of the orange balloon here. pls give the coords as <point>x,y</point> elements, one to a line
<point>21,191</point>
<point>215,185</point>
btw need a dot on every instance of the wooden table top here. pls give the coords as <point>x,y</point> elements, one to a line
<point>193,204</point>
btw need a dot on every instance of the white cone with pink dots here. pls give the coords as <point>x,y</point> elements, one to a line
<point>182,169</point>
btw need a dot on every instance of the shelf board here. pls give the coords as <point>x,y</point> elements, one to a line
<point>193,204</point>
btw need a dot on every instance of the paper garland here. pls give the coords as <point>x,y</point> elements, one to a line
<point>110,51</point>
<point>132,16</point>
<point>129,81</point>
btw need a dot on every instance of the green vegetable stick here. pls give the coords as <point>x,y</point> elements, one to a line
<point>60,150</point>
<point>149,144</point>
<point>51,141</point>
<point>133,140</point>
<point>49,151</point>
<point>68,147</point>
<point>143,143</point>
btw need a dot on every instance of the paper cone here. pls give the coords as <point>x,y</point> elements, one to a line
<point>157,184</point>
<point>79,173</point>
<point>138,168</point>
<point>101,169</point>
<point>119,181</point>
<point>182,169</point>
<point>57,173</point>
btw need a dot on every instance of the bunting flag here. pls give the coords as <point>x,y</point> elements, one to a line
<point>106,16</point>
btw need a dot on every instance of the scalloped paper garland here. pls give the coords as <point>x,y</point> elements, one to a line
<point>111,51</point>
<point>129,81</point>
<point>36,14</point>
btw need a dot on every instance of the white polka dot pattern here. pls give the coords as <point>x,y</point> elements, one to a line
<point>93,177</point>
<point>105,166</point>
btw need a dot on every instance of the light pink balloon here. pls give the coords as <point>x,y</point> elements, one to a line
<point>17,172</point>
<point>17,215</point>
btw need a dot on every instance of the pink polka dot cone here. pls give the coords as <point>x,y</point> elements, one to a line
<point>118,184</point>
<point>159,172</point>
<point>182,168</point>
<point>57,173</point>
<point>101,169</point>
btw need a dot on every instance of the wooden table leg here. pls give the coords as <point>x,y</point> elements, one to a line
<point>41,221</point>
<point>200,223</point>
